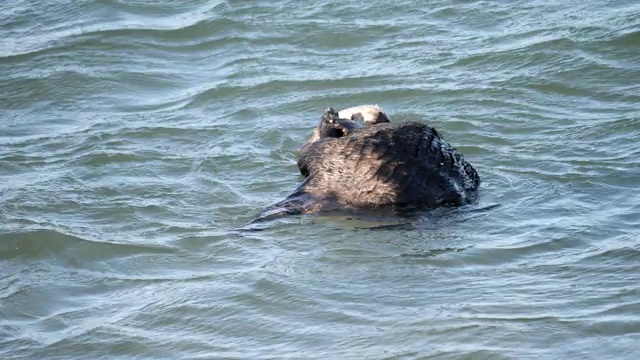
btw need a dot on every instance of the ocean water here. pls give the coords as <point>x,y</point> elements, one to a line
<point>138,138</point>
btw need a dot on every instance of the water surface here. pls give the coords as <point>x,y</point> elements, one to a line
<point>137,137</point>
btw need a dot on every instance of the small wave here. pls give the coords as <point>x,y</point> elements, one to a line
<point>44,243</point>
<point>629,39</point>
<point>620,255</point>
<point>518,254</point>
<point>36,40</point>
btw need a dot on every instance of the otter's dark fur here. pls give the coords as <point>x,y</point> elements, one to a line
<point>353,165</point>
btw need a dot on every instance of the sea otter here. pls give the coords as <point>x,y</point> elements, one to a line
<point>359,163</point>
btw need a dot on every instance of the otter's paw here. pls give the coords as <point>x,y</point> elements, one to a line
<point>330,116</point>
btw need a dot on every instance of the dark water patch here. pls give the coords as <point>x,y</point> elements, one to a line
<point>49,243</point>
<point>630,39</point>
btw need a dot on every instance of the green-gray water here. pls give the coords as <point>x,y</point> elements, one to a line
<point>137,137</point>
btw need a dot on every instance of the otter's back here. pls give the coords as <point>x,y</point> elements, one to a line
<point>388,164</point>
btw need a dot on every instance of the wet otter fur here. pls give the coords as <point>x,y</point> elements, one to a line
<point>351,163</point>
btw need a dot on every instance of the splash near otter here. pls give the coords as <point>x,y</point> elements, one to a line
<point>366,162</point>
